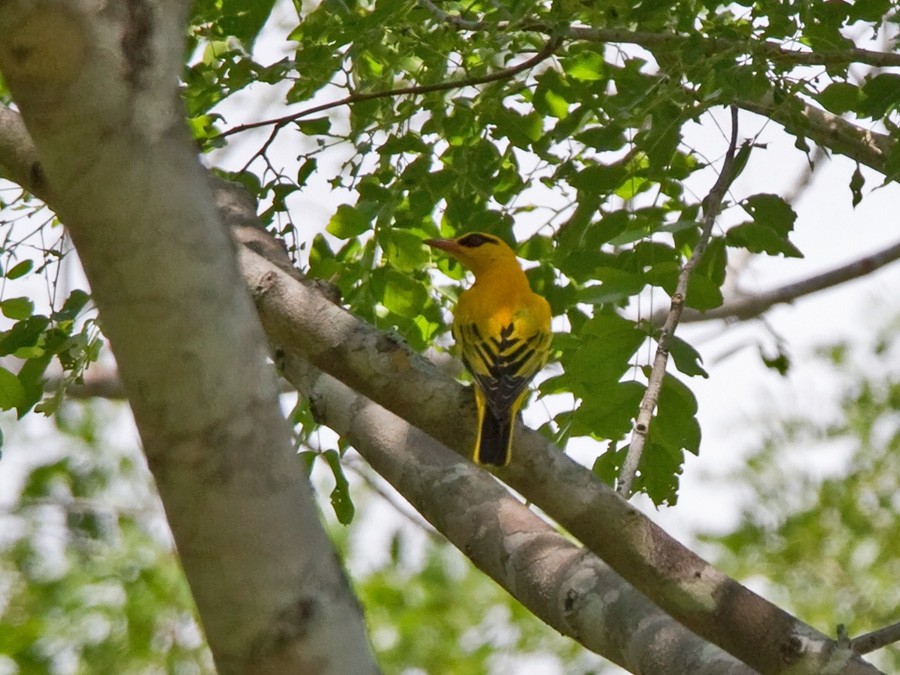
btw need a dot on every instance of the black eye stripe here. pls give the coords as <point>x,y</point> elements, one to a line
<point>476,240</point>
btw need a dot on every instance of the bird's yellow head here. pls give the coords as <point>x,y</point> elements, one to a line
<point>476,251</point>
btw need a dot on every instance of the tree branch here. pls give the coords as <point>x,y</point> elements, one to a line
<point>830,131</point>
<point>751,306</point>
<point>649,40</point>
<point>712,205</point>
<point>506,73</point>
<point>566,586</point>
<point>877,639</point>
<point>379,366</point>
<point>867,147</point>
<point>18,159</point>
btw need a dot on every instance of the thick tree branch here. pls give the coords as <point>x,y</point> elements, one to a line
<point>18,158</point>
<point>565,585</point>
<point>712,205</point>
<point>307,325</point>
<point>97,87</point>
<point>752,306</point>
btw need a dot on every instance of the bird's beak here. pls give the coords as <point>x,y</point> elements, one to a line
<point>444,244</point>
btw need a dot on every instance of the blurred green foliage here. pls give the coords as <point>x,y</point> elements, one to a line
<point>89,582</point>
<point>822,538</point>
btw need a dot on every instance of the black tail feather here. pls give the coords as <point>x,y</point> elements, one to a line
<point>494,440</point>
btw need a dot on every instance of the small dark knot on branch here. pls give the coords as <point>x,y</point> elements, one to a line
<point>791,649</point>
<point>265,284</point>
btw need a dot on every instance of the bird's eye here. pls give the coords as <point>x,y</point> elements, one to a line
<point>476,240</point>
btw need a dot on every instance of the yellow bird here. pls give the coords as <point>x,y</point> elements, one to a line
<point>502,329</point>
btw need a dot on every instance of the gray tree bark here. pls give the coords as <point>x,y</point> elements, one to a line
<point>96,84</point>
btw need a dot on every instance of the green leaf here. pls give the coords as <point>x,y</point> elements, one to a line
<point>687,359</point>
<point>609,411</point>
<point>240,18</point>
<point>23,334</point>
<point>608,465</point>
<point>403,295</point>
<point>307,169</point>
<point>403,249</point>
<point>758,238</point>
<point>340,495</point>
<point>11,391</point>
<point>660,469</point>
<point>586,65</point>
<point>616,285</point>
<point>599,178</point>
<point>675,423</point>
<point>606,137</point>
<point>857,181</point>
<point>31,376</point>
<point>604,348</point>
<point>73,305</point>
<point>702,293</point>
<point>882,94</point>
<point>840,97</point>
<point>17,308</point>
<point>314,126</point>
<point>20,270</point>
<point>772,211</point>
<point>349,221</point>
<point>521,130</point>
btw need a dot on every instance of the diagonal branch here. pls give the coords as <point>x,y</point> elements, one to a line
<point>379,366</point>
<point>830,131</point>
<point>876,639</point>
<point>506,73</point>
<point>565,585</point>
<point>752,306</point>
<point>712,205</point>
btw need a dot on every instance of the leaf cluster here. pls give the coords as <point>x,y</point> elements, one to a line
<point>586,150</point>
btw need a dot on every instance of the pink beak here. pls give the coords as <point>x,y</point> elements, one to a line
<point>444,244</point>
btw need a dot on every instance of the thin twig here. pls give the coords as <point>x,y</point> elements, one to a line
<point>393,498</point>
<point>711,207</point>
<point>877,639</point>
<point>281,122</point>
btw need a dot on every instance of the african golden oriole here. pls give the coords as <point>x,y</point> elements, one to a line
<point>502,329</point>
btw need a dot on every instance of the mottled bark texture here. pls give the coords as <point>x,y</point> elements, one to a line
<point>96,84</point>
